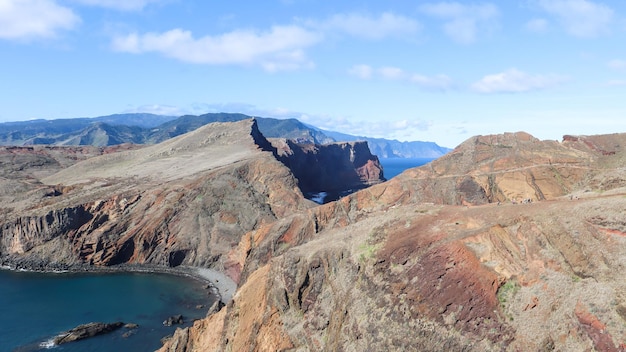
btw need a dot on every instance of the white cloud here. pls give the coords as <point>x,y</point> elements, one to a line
<point>123,5</point>
<point>26,19</point>
<point>515,81</point>
<point>232,107</point>
<point>581,18</point>
<point>391,73</point>
<point>280,48</point>
<point>436,82</point>
<point>616,83</point>
<point>157,109</point>
<point>462,22</point>
<point>361,71</point>
<point>367,27</point>
<point>537,25</point>
<point>402,125</point>
<point>619,65</point>
<point>380,128</point>
<point>386,128</point>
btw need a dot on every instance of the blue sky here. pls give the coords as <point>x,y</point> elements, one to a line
<point>439,71</point>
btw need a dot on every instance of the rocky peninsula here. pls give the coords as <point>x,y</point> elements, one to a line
<point>506,243</point>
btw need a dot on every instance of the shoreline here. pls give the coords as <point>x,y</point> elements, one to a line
<point>220,285</point>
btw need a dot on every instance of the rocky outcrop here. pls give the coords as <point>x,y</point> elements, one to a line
<point>25,233</point>
<point>444,257</point>
<point>426,262</point>
<point>512,167</point>
<point>187,201</point>
<point>148,205</point>
<point>430,277</point>
<point>86,331</point>
<point>334,167</point>
<point>173,320</point>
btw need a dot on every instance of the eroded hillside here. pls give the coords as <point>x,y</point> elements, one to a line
<point>185,201</point>
<point>508,243</point>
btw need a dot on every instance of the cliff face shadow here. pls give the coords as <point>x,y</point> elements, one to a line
<point>330,171</point>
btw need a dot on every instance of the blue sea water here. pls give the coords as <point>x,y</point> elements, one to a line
<point>35,307</point>
<point>395,166</point>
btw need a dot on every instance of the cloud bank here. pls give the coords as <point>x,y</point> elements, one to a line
<point>122,5</point>
<point>515,81</point>
<point>362,26</point>
<point>30,19</point>
<point>462,22</point>
<point>277,49</point>
<point>580,18</point>
<point>280,48</point>
<point>436,82</point>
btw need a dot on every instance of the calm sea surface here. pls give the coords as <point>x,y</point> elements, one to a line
<point>35,307</point>
<point>395,166</point>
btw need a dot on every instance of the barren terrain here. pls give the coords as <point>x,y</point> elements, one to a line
<point>507,243</point>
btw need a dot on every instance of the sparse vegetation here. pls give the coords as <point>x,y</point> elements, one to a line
<point>367,251</point>
<point>505,294</point>
<point>507,291</point>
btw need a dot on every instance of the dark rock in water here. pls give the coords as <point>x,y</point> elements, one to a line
<point>174,319</point>
<point>85,331</point>
<point>131,326</point>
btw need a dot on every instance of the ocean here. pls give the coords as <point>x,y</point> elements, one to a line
<point>394,166</point>
<point>35,307</point>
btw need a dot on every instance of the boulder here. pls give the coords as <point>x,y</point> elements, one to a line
<point>85,331</point>
<point>174,319</point>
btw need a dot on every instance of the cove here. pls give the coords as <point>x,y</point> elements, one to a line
<point>35,307</point>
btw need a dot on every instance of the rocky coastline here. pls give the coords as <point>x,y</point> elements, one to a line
<point>217,283</point>
<point>86,331</point>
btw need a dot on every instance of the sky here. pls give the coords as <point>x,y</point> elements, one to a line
<point>439,71</point>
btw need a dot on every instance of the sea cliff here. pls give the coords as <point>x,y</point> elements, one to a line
<point>506,243</point>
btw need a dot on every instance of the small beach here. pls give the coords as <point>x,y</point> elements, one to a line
<point>224,285</point>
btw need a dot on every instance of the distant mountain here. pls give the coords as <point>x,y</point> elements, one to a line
<point>151,129</point>
<point>65,131</point>
<point>387,148</point>
<point>102,134</point>
<point>270,127</point>
<point>293,129</point>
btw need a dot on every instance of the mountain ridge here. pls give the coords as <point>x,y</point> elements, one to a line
<point>506,243</point>
<point>150,129</point>
<point>392,148</point>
